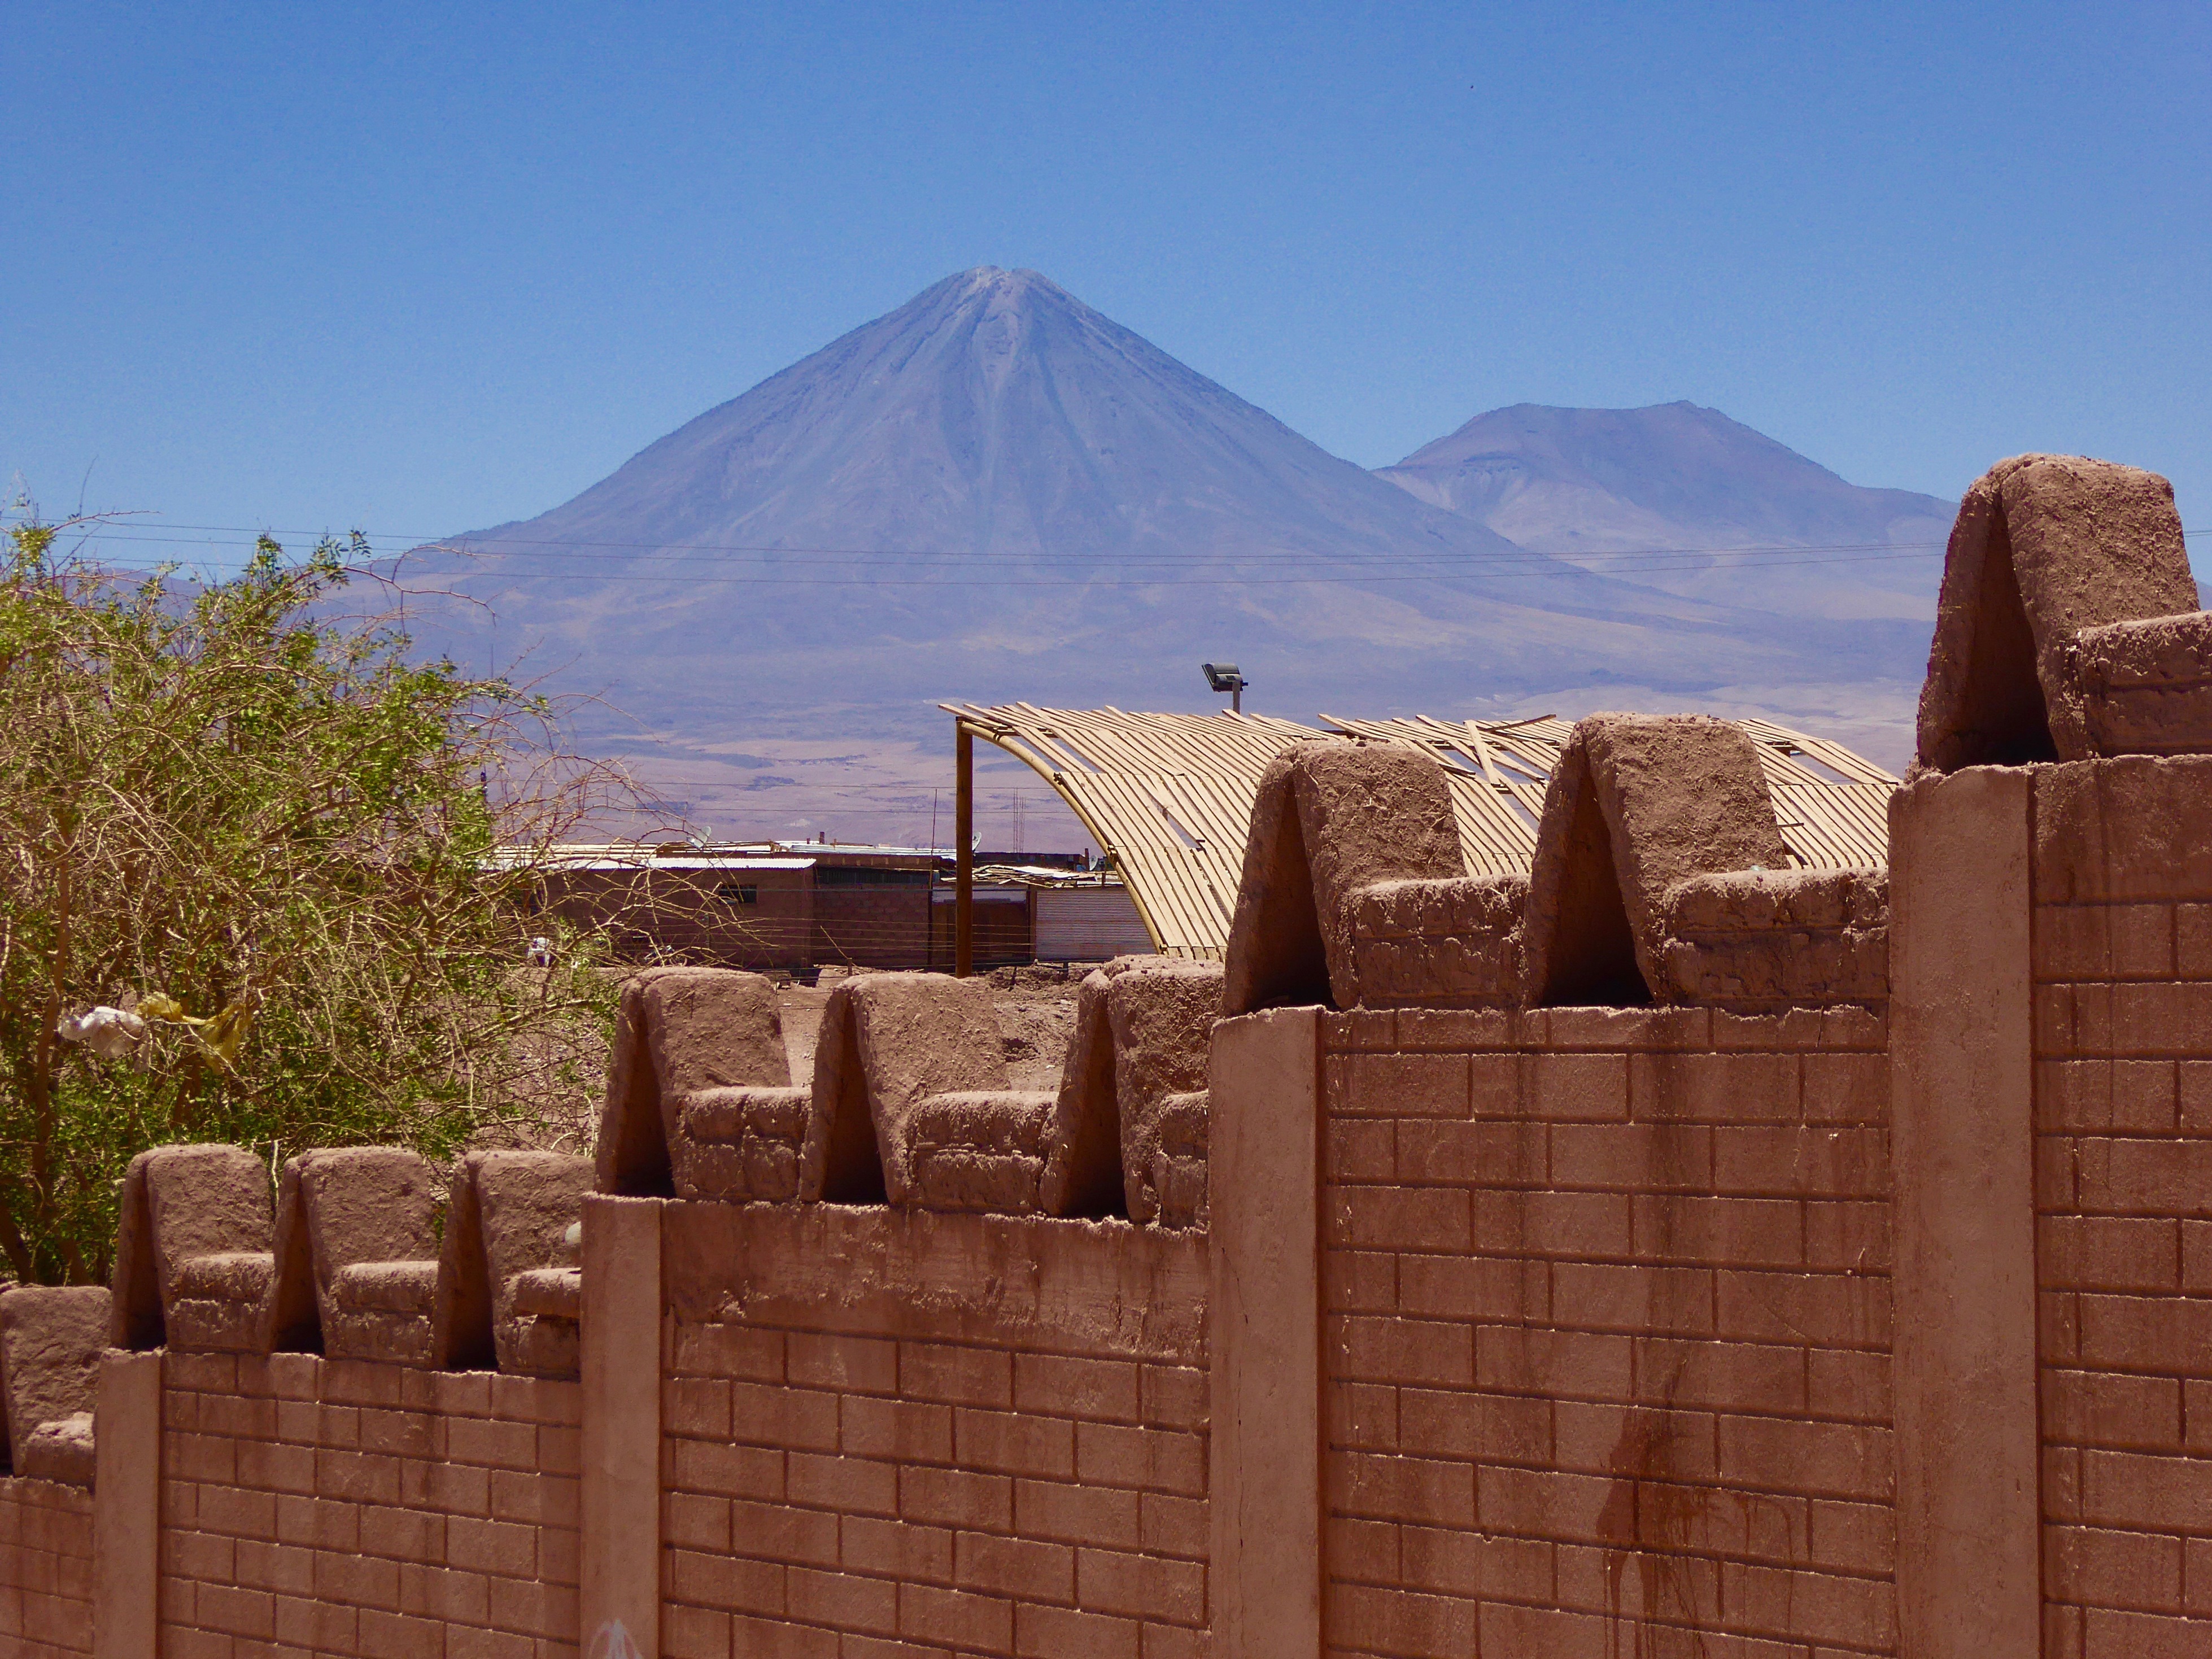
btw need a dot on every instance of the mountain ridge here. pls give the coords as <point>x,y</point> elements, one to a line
<point>1584,483</point>
<point>995,493</point>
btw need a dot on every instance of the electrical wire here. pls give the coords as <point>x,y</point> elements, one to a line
<point>580,545</point>
<point>875,558</point>
<point>1427,567</point>
<point>1286,567</point>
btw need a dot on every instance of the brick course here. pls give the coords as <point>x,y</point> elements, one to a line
<point>2124,1250</point>
<point>340,1507</point>
<point>1607,1332</point>
<point>907,1475</point>
<point>45,1568</point>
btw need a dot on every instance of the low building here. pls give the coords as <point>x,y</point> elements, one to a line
<point>797,907</point>
<point>1047,913</point>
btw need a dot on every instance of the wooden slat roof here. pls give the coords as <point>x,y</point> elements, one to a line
<point>1170,795</point>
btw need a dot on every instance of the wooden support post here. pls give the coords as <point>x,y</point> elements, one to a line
<point>963,851</point>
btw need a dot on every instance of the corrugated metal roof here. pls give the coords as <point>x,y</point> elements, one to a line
<point>558,861</point>
<point>1088,924</point>
<point>1170,795</point>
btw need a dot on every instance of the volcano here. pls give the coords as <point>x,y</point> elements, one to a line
<point>995,493</point>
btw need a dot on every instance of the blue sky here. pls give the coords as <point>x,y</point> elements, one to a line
<point>421,269</point>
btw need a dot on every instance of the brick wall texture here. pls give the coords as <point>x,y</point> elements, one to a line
<point>337,1507</point>
<point>908,1476</point>
<point>1605,1367</point>
<point>45,1568</point>
<point>1608,1334</point>
<point>872,926</point>
<point>2123,952</point>
<point>936,1497</point>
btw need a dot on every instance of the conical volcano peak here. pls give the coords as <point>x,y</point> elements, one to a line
<point>991,291</point>
<point>1007,310</point>
<point>996,414</point>
<point>987,318</point>
<point>1000,283</point>
<point>995,490</point>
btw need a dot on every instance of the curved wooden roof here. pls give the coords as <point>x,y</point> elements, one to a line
<point>1170,795</point>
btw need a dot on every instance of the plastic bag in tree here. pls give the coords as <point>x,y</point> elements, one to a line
<point>110,1033</point>
<point>224,1033</point>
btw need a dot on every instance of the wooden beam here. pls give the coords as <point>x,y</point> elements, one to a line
<point>963,853</point>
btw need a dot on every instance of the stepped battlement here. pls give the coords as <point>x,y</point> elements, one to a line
<point>1680,1248</point>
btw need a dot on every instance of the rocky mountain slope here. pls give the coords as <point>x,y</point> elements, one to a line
<point>995,492</point>
<point>1607,488</point>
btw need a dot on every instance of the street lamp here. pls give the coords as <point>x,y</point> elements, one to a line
<point>1224,676</point>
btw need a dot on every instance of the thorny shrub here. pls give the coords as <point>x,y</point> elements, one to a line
<point>304,862</point>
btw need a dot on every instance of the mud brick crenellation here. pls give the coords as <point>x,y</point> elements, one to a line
<point>1673,1251</point>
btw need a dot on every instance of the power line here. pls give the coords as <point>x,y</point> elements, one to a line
<point>1434,567</point>
<point>1552,568</point>
<point>473,539</point>
<point>577,545</point>
<point>470,542</point>
<point>1287,566</point>
<point>713,553</point>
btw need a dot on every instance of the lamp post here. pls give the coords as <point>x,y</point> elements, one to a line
<point>1224,676</point>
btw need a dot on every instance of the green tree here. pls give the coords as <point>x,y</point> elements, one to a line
<point>266,881</point>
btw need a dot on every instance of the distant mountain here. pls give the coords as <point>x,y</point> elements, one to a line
<point>1586,483</point>
<point>996,493</point>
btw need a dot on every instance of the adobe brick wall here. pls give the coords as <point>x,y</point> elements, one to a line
<point>1005,933</point>
<point>1607,1332</point>
<point>872,926</point>
<point>2123,967</point>
<point>691,916</point>
<point>45,1568</point>
<point>944,1434</point>
<point>1641,1331</point>
<point>349,1508</point>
